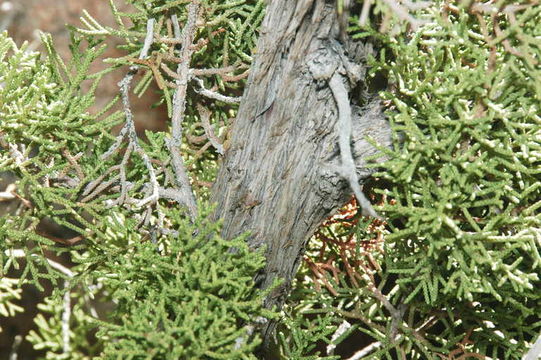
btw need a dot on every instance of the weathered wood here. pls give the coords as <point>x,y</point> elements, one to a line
<point>278,178</point>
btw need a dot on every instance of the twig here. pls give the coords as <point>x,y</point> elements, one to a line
<point>348,170</point>
<point>130,132</point>
<point>19,253</point>
<point>205,119</point>
<point>365,351</point>
<point>66,314</point>
<point>535,352</point>
<point>102,187</point>
<point>214,95</point>
<point>214,71</point>
<point>199,153</point>
<point>13,355</point>
<point>9,193</point>
<point>173,194</point>
<point>92,185</point>
<point>402,12</point>
<point>176,30</point>
<point>365,12</point>
<point>73,162</point>
<point>149,38</point>
<point>118,141</point>
<point>344,326</point>
<point>179,106</point>
<point>132,136</point>
<point>17,155</point>
<point>123,185</point>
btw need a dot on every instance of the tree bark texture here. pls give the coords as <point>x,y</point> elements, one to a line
<point>279,177</point>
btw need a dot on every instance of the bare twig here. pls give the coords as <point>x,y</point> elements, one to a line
<point>179,106</point>
<point>118,141</point>
<point>365,351</point>
<point>149,38</point>
<point>365,12</point>
<point>15,347</point>
<point>344,326</point>
<point>9,193</point>
<point>66,314</point>
<point>214,95</point>
<point>129,131</point>
<point>173,194</point>
<point>348,170</point>
<point>205,119</point>
<point>403,12</point>
<point>132,136</point>
<point>535,352</point>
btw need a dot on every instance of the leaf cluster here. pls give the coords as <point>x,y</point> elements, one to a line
<point>457,274</point>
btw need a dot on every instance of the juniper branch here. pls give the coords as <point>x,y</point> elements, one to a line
<point>205,120</point>
<point>179,106</point>
<point>214,95</point>
<point>344,127</point>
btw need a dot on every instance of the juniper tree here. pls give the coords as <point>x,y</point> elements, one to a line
<point>445,265</point>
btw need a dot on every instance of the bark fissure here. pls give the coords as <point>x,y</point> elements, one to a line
<point>278,178</point>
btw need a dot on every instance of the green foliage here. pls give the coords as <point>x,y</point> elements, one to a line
<point>224,48</point>
<point>9,293</point>
<point>178,290</point>
<point>464,199</point>
<point>187,296</point>
<point>44,125</point>
<point>72,341</point>
<point>181,297</point>
<point>303,335</point>
<point>457,275</point>
<point>343,284</point>
<point>453,273</point>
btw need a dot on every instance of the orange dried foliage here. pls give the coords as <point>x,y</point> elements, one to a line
<point>346,254</point>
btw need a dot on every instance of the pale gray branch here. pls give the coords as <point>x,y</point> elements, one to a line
<point>214,95</point>
<point>403,12</point>
<point>344,127</point>
<point>179,106</point>
<point>205,120</point>
<point>66,315</point>
<point>365,351</point>
<point>535,351</point>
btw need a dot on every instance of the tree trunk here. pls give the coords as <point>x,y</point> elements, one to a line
<point>278,179</point>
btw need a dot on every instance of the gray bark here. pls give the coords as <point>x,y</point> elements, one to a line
<point>282,174</point>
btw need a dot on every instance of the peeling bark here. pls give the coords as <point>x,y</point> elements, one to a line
<point>279,178</point>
